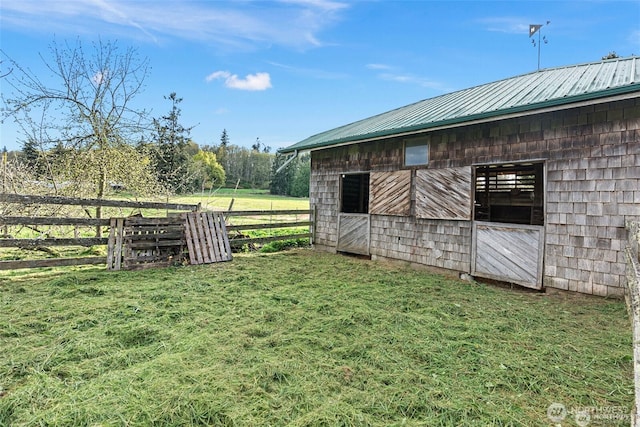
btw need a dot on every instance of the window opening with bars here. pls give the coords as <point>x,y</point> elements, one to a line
<point>511,193</point>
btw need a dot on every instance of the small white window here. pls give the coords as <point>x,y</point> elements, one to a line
<point>416,152</point>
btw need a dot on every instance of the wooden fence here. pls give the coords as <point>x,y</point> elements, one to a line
<point>147,242</point>
<point>632,255</point>
<point>277,219</point>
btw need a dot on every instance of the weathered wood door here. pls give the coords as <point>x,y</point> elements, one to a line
<point>353,233</point>
<point>508,252</point>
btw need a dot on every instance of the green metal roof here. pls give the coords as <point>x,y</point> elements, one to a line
<point>552,87</point>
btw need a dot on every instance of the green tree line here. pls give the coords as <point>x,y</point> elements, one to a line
<point>82,137</point>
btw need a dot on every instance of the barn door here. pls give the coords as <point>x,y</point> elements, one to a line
<point>353,216</point>
<point>508,252</point>
<point>353,233</point>
<point>508,230</point>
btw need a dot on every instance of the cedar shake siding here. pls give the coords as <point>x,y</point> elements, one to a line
<point>590,157</point>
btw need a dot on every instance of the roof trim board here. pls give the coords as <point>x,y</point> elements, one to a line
<point>533,93</point>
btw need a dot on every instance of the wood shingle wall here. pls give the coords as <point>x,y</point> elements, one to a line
<point>592,160</point>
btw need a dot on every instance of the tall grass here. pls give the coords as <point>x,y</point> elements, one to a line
<point>301,338</point>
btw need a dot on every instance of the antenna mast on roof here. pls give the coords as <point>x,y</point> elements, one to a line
<point>535,28</point>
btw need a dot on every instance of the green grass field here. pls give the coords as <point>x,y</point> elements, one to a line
<point>301,338</point>
<point>243,199</point>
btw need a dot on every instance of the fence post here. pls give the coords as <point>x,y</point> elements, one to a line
<point>632,295</point>
<point>314,214</point>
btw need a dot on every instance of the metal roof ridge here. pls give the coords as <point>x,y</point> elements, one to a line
<point>548,87</point>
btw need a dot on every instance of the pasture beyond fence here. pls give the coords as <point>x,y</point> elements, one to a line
<point>632,255</point>
<point>148,241</point>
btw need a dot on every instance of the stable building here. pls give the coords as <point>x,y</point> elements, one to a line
<point>527,180</point>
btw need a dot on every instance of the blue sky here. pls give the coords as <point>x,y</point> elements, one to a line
<point>284,70</point>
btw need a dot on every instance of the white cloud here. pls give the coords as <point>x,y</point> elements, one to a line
<point>392,74</point>
<point>226,24</point>
<point>379,67</point>
<point>258,81</point>
<point>414,80</point>
<point>507,24</point>
<point>311,72</point>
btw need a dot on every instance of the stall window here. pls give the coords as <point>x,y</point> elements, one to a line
<point>354,196</point>
<point>510,193</point>
<point>416,152</point>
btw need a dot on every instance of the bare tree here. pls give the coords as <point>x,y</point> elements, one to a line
<point>86,107</point>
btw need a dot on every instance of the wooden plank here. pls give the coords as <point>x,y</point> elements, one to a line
<point>228,256</point>
<point>173,235</point>
<point>26,220</point>
<point>189,237</point>
<point>196,258</point>
<point>111,244</point>
<point>390,193</point>
<point>444,193</point>
<point>57,200</point>
<point>146,258</point>
<point>139,221</point>
<point>34,243</point>
<point>353,233</point>
<point>51,262</point>
<point>213,233</point>
<point>202,239</point>
<point>151,244</point>
<point>270,225</point>
<point>117,265</point>
<point>508,252</point>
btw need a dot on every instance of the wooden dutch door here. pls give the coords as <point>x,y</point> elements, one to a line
<point>366,194</point>
<point>353,218</point>
<point>508,227</point>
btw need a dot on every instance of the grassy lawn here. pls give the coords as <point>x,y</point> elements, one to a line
<point>301,338</point>
<point>244,199</point>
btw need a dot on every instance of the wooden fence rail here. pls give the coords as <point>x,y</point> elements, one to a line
<point>169,237</point>
<point>73,201</point>
<point>241,241</point>
<point>41,220</point>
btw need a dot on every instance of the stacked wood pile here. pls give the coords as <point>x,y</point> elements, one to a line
<point>144,244</point>
<point>137,242</point>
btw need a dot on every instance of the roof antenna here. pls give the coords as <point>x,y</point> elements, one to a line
<point>535,28</point>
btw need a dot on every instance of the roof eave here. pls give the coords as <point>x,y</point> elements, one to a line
<point>550,105</point>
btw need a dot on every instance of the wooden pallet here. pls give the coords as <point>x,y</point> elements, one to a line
<point>137,243</point>
<point>206,237</point>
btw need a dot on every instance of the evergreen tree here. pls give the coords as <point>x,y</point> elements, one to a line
<point>171,158</point>
<point>224,138</point>
<point>300,184</point>
<point>293,179</point>
<point>281,181</point>
<point>30,153</point>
